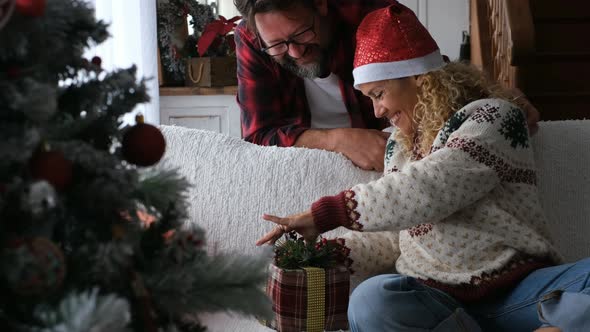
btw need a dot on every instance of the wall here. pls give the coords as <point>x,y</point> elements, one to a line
<point>445,20</point>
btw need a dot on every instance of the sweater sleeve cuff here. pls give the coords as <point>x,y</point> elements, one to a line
<point>329,212</point>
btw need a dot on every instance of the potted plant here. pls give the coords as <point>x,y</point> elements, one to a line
<point>216,62</point>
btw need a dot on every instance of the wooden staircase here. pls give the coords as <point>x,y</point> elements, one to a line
<point>541,47</point>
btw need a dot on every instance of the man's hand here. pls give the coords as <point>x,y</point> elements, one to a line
<point>364,147</point>
<point>531,112</point>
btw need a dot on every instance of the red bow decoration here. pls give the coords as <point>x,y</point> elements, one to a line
<point>214,29</point>
<point>34,8</point>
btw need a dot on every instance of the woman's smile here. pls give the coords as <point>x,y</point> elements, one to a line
<point>394,119</point>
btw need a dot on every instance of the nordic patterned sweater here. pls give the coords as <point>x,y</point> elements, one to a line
<point>465,219</point>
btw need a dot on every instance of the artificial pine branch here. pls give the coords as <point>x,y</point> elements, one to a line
<point>103,101</point>
<point>90,94</point>
<point>103,187</point>
<point>159,189</point>
<point>28,100</point>
<point>70,30</point>
<point>17,141</point>
<point>83,312</point>
<point>230,283</point>
<point>103,264</point>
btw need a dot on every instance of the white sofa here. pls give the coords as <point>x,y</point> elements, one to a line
<point>235,182</point>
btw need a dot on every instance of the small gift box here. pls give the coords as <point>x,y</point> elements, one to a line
<point>305,297</point>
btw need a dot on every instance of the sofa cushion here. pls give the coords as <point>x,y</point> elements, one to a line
<point>562,154</point>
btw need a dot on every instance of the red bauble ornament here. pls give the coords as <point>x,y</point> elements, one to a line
<point>143,144</point>
<point>44,269</point>
<point>97,61</point>
<point>34,8</point>
<point>52,167</point>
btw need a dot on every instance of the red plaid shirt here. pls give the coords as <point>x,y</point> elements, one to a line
<point>274,108</point>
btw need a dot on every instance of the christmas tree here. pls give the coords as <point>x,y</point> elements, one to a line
<point>90,238</point>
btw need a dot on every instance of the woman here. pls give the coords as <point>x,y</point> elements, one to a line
<point>456,211</point>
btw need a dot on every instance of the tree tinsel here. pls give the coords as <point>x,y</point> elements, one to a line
<point>88,241</point>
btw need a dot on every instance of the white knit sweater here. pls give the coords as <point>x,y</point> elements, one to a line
<point>466,218</point>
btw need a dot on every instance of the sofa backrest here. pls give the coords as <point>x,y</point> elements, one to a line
<point>235,182</point>
<point>562,154</point>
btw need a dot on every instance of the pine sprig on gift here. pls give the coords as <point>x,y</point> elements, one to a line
<point>294,253</point>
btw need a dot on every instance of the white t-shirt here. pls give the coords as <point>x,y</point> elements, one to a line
<point>326,103</point>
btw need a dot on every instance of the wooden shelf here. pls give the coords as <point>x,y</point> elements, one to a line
<point>198,91</point>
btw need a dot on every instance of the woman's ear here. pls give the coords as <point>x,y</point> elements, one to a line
<point>322,7</point>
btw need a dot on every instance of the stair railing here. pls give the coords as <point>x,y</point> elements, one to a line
<point>504,37</point>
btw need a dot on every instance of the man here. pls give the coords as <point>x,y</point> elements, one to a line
<point>295,85</point>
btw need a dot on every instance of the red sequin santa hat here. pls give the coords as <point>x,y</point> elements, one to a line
<point>392,43</point>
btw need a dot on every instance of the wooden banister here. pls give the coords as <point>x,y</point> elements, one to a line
<point>537,47</point>
<point>521,30</point>
<point>481,53</point>
<point>502,37</point>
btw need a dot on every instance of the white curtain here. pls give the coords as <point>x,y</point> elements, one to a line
<point>133,41</point>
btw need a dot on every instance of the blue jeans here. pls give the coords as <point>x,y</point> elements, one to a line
<point>554,296</point>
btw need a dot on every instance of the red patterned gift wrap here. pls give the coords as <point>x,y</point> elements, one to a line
<point>309,299</point>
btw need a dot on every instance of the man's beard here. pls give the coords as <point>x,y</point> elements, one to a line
<point>311,70</point>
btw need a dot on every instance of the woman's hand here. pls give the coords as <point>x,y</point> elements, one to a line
<point>301,223</point>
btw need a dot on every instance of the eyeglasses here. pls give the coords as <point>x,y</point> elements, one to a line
<point>301,38</point>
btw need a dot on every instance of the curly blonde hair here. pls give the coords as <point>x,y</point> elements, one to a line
<point>442,93</point>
